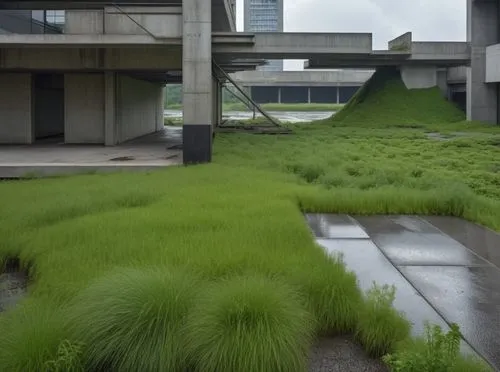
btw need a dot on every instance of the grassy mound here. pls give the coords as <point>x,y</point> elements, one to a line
<point>250,324</point>
<point>384,100</point>
<point>132,320</point>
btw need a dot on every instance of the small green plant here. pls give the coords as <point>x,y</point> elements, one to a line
<point>439,352</point>
<point>68,358</point>
<point>380,327</point>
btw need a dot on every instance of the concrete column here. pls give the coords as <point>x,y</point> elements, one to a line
<point>338,94</point>
<point>220,99</point>
<point>442,81</point>
<point>197,81</point>
<point>482,30</point>
<point>279,95</point>
<point>308,95</point>
<point>110,138</point>
<point>216,99</point>
<point>160,119</point>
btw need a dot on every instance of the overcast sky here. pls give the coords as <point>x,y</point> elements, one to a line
<point>429,20</point>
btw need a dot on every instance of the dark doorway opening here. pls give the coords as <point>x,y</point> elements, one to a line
<point>48,106</point>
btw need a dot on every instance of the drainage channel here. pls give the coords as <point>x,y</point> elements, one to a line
<point>412,254</point>
<point>13,284</point>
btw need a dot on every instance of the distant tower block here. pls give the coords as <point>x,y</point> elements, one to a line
<point>265,16</point>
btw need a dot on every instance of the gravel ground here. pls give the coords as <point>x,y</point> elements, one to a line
<point>342,354</point>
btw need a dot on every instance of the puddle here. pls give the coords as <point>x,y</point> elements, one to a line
<point>13,285</point>
<point>123,158</point>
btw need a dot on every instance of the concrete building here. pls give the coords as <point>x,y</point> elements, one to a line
<point>265,16</point>
<point>302,86</point>
<point>93,72</point>
<point>483,75</point>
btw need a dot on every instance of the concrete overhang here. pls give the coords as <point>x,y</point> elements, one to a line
<point>439,54</point>
<point>290,45</point>
<point>84,41</point>
<point>223,11</point>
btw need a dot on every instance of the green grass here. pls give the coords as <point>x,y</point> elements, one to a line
<point>250,323</point>
<point>240,217</point>
<point>134,312</point>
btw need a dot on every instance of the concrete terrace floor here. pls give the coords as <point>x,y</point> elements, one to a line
<point>52,157</point>
<point>446,270</point>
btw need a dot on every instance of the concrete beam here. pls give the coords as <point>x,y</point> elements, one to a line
<point>78,59</point>
<point>84,41</point>
<point>303,78</point>
<point>290,45</point>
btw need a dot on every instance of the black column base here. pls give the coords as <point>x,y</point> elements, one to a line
<point>197,143</point>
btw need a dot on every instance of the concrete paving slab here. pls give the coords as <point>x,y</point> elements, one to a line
<point>335,226</point>
<point>365,259</point>
<point>52,157</point>
<point>468,296</point>
<point>409,240</point>
<point>481,240</point>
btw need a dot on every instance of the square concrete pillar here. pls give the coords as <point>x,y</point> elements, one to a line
<point>160,119</point>
<point>482,30</point>
<point>218,102</point>
<point>110,138</point>
<point>197,81</point>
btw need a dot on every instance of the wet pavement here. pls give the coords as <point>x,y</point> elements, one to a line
<point>445,270</point>
<point>283,116</point>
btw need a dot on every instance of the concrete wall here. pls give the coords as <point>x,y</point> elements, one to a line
<point>164,22</point>
<point>136,107</point>
<point>84,21</point>
<point>493,64</point>
<point>84,108</point>
<point>401,43</point>
<point>419,77</point>
<point>15,108</point>
<point>457,75</point>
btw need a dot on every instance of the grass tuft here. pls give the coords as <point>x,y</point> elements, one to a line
<point>131,320</point>
<point>29,337</point>
<point>250,324</point>
<point>332,294</point>
<point>380,327</point>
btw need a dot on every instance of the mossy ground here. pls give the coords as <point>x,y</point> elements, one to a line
<point>239,217</point>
